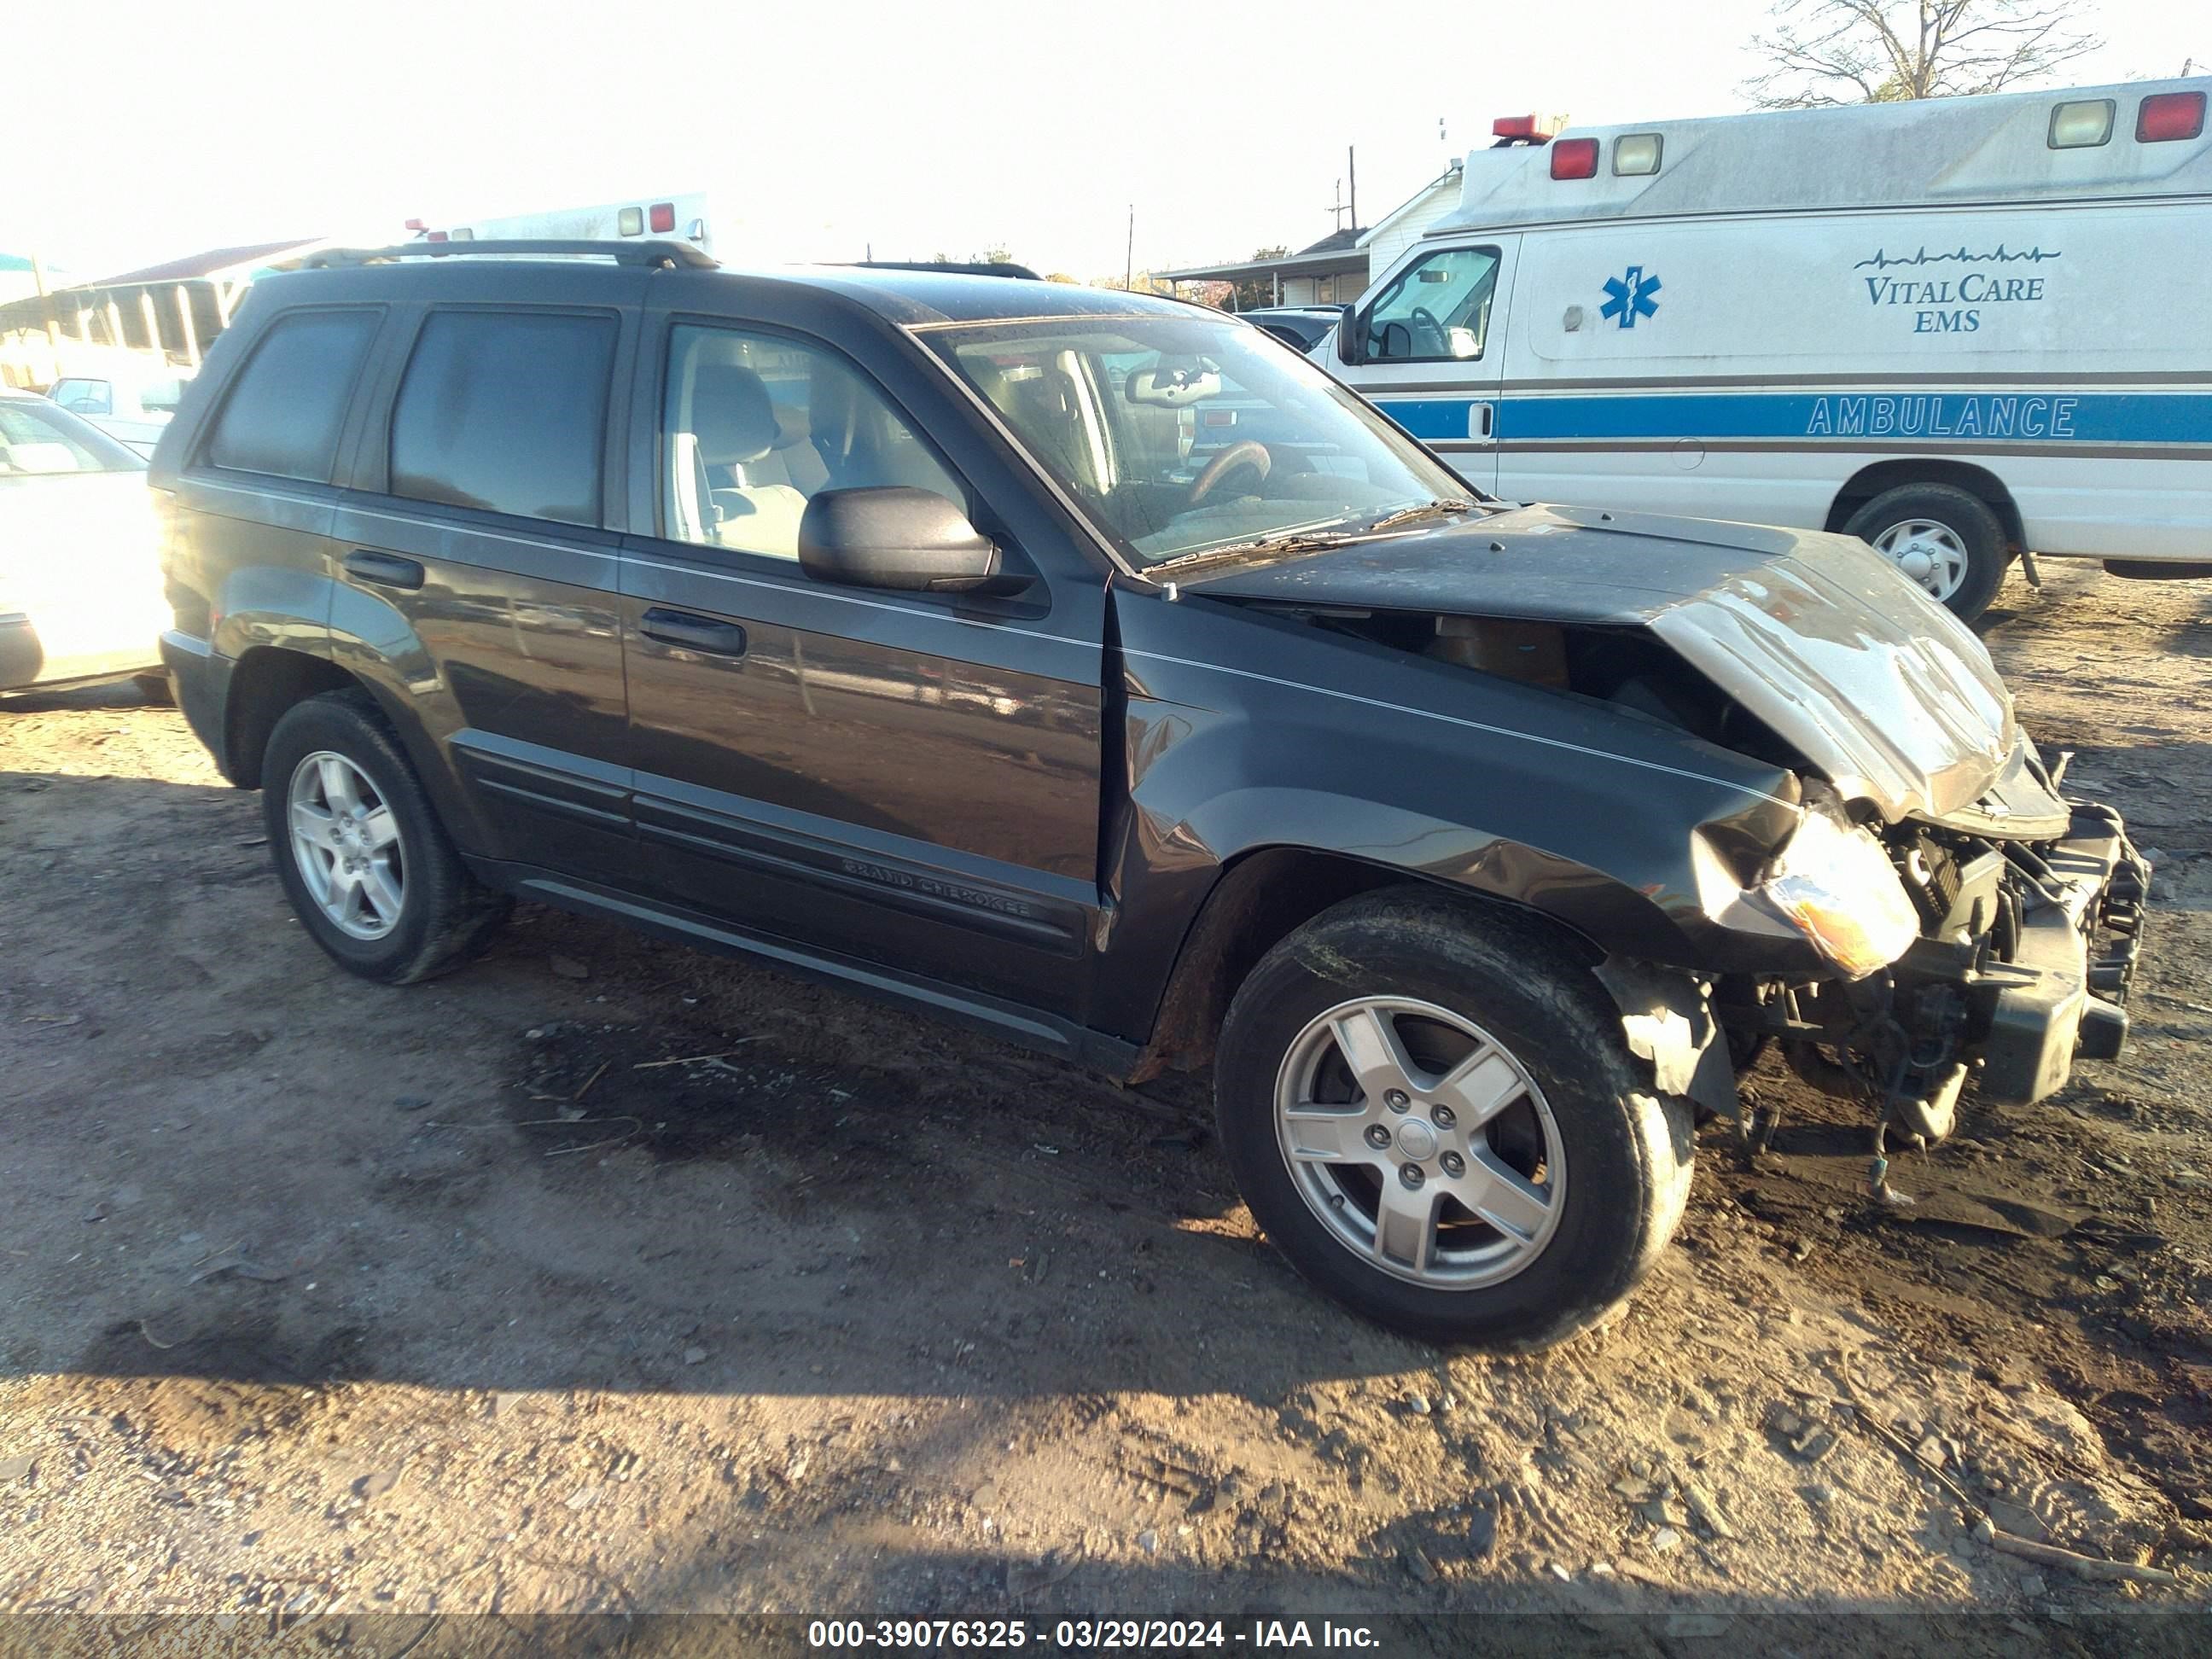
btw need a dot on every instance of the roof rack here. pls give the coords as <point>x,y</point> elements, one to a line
<point>950,268</point>
<point>657,255</point>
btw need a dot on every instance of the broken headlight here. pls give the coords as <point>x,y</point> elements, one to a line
<point>1836,886</point>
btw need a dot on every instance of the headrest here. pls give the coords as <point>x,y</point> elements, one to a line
<point>731,414</point>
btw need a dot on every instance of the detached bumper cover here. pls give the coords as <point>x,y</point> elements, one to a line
<point>2055,1000</point>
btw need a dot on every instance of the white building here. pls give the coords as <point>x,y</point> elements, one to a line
<point>1400,229</point>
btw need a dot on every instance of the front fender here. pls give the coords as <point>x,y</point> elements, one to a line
<point>1251,732</point>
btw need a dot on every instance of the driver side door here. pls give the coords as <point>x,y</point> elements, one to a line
<point>907,779</point>
<point>1436,347</point>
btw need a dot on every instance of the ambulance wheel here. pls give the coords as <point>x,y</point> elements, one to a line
<point>1946,540</point>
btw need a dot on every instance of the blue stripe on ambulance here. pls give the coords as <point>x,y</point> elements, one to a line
<point>2013,416</point>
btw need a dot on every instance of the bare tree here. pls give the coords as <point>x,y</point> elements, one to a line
<point>1827,53</point>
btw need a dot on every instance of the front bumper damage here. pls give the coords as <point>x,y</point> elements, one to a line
<point>2023,968</point>
<point>2054,1001</point>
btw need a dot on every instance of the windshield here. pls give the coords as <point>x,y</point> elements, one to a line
<point>1181,436</point>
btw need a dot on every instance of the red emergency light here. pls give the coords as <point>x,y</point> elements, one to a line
<point>1574,158</point>
<point>435,236</point>
<point>661,216</point>
<point>2165,116</point>
<point>1525,129</point>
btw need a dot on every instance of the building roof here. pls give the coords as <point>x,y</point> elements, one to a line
<point>1448,180</point>
<point>1339,250</point>
<point>213,262</point>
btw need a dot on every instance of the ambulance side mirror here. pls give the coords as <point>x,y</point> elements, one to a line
<point>1352,336</point>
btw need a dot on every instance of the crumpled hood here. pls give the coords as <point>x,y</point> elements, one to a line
<point>1885,693</point>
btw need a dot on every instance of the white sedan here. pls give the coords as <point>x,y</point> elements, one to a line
<point>80,597</point>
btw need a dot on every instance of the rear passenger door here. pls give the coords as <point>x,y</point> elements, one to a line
<point>476,554</point>
<point>905,779</point>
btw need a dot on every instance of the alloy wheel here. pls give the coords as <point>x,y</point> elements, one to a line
<point>347,845</point>
<point>1420,1142</point>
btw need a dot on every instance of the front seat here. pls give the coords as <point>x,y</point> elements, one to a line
<point>735,422</point>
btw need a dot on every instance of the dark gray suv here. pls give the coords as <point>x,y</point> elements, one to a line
<point>896,627</point>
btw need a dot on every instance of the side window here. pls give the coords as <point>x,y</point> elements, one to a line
<point>505,411</point>
<point>283,414</point>
<point>1437,310</point>
<point>755,426</point>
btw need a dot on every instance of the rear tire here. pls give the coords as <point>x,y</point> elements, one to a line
<point>1463,1253</point>
<point>369,870</point>
<point>1946,540</point>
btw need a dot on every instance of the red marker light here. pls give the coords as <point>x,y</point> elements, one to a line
<point>661,216</point>
<point>1574,158</point>
<point>2165,116</point>
<point>435,236</point>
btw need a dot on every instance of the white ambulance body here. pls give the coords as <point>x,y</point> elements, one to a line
<point>680,217</point>
<point>1962,329</point>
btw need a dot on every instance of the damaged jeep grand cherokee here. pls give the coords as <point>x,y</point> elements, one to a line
<point>1092,668</point>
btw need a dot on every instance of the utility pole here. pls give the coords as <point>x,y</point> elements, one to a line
<point>1351,172</point>
<point>1129,254</point>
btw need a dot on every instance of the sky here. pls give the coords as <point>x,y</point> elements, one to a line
<point>821,130</point>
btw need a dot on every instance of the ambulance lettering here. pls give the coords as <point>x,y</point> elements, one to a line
<point>1942,414</point>
<point>1952,304</point>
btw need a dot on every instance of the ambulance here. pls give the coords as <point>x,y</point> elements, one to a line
<point>673,217</point>
<point>1968,330</point>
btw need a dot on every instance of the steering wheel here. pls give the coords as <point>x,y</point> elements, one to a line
<point>1422,316</point>
<point>1249,453</point>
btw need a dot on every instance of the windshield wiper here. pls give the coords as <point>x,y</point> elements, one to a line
<point>1289,541</point>
<point>1312,538</point>
<point>1435,509</point>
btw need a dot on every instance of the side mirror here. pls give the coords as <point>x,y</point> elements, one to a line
<point>1352,336</point>
<point>897,537</point>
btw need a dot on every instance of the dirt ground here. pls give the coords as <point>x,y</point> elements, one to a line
<point>493,1295</point>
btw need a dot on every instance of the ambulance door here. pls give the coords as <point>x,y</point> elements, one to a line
<point>1426,346</point>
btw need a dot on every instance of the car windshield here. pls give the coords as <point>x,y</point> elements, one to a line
<point>1181,436</point>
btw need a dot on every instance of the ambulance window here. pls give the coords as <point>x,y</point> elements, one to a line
<point>1437,310</point>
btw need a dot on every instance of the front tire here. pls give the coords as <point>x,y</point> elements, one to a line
<point>1948,541</point>
<point>1409,1032</point>
<point>368,867</point>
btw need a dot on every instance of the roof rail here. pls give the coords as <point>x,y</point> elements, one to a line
<point>950,267</point>
<point>653,254</point>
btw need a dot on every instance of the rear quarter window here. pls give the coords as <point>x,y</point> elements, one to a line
<point>505,411</point>
<point>284,415</point>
